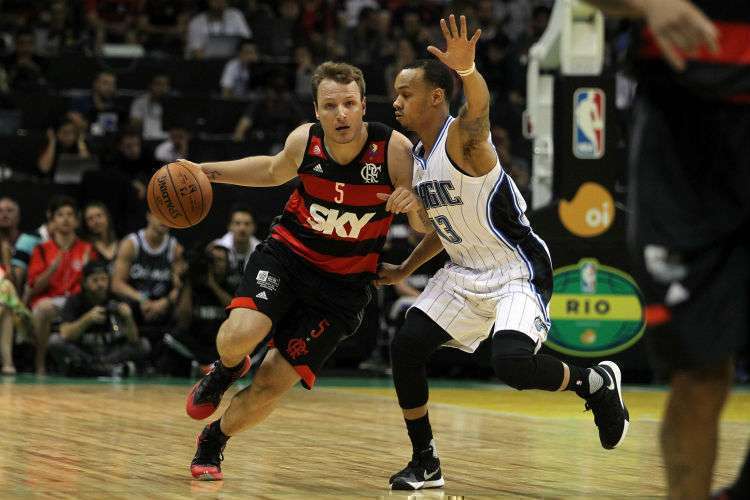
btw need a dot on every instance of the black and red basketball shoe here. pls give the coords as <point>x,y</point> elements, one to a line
<point>206,394</point>
<point>206,464</point>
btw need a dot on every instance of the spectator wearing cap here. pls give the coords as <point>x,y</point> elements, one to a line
<point>98,333</point>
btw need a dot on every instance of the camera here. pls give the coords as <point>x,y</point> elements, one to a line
<point>112,306</point>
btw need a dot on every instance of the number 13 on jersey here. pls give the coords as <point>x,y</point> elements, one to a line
<point>444,229</point>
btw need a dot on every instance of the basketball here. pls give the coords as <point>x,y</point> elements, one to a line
<point>179,195</point>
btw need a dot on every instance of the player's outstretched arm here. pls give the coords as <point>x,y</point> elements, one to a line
<point>430,246</point>
<point>678,26</point>
<point>262,171</point>
<point>467,140</point>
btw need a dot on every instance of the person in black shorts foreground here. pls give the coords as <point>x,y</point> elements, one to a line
<point>310,280</point>
<point>689,175</point>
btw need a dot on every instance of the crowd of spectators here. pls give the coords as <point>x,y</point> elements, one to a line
<point>88,292</point>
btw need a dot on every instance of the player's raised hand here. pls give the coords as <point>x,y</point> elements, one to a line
<point>401,200</point>
<point>679,27</point>
<point>459,50</point>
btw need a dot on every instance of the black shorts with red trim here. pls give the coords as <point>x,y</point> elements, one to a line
<point>311,310</point>
<point>689,175</point>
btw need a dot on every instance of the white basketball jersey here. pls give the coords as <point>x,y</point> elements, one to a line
<point>480,220</point>
<point>500,273</point>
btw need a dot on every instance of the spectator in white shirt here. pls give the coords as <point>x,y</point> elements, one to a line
<point>146,111</point>
<point>219,21</point>
<point>235,79</point>
<point>175,147</point>
<point>239,241</point>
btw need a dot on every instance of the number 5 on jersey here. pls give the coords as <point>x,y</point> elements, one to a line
<point>339,192</point>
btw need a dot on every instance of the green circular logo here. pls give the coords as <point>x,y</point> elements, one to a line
<point>595,310</point>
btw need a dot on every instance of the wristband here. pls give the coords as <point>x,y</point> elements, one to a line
<point>466,72</point>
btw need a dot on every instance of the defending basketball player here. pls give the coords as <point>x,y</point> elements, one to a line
<point>310,280</point>
<point>500,271</point>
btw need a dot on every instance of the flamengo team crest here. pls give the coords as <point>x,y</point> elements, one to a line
<point>588,123</point>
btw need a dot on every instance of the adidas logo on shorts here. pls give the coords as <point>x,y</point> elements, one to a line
<point>318,169</point>
<point>262,295</point>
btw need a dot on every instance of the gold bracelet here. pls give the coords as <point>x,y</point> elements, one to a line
<point>467,72</point>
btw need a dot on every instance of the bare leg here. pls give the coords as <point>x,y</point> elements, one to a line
<point>6,341</point>
<point>239,335</point>
<point>415,413</point>
<point>43,315</point>
<point>690,427</point>
<point>252,405</point>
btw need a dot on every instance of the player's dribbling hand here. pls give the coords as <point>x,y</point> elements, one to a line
<point>459,50</point>
<point>401,200</point>
<point>390,274</point>
<point>679,27</point>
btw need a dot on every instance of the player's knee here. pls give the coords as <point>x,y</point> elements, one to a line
<point>513,359</point>
<point>407,350</point>
<point>241,331</point>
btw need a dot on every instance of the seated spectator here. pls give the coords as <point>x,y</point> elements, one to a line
<point>100,232</point>
<point>162,25</point>
<point>175,147</point>
<point>55,272</point>
<point>405,54</point>
<point>146,111</point>
<point>235,79</point>
<point>26,70</point>
<point>146,274</point>
<point>131,159</point>
<point>217,24</point>
<point>10,216</point>
<point>266,122</point>
<point>303,71</point>
<point>99,113</point>
<point>199,312</point>
<point>25,245</point>
<point>60,30</point>
<point>97,332</point>
<point>66,140</point>
<point>10,308</point>
<point>239,242</point>
<point>113,21</point>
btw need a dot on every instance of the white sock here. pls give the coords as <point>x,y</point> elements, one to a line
<point>596,381</point>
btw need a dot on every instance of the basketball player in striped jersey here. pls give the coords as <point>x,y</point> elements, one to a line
<point>499,279</point>
<point>311,279</point>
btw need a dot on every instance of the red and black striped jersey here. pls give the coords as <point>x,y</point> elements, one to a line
<point>723,76</point>
<point>334,218</point>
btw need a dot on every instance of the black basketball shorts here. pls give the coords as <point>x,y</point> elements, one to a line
<point>311,310</point>
<point>689,179</point>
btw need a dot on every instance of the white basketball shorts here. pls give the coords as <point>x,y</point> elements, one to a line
<point>466,303</point>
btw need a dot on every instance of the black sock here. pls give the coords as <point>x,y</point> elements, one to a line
<point>215,428</point>
<point>420,433</point>
<point>579,381</point>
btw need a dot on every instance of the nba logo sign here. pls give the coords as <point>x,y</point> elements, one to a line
<point>588,123</point>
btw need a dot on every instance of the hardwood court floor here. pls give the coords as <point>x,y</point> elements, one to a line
<point>66,439</point>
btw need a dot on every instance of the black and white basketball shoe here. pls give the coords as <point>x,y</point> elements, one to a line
<point>423,471</point>
<point>610,413</point>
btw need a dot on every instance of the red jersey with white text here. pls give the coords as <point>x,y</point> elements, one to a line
<point>66,280</point>
<point>334,219</point>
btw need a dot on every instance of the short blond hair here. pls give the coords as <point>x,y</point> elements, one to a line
<point>339,73</point>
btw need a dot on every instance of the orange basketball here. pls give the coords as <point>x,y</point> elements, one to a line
<point>179,195</point>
